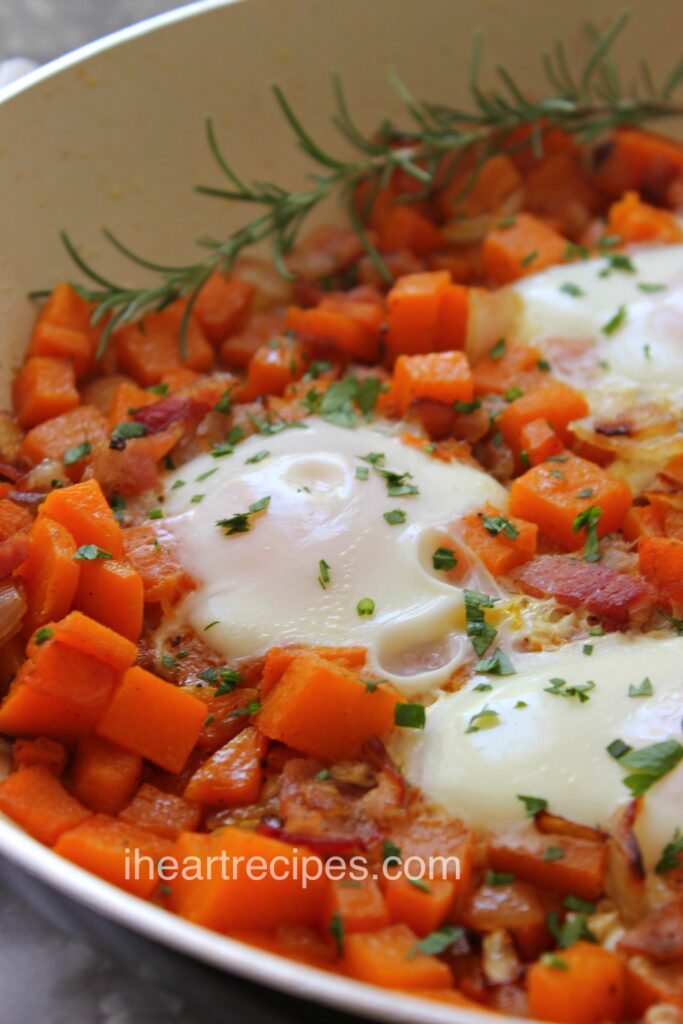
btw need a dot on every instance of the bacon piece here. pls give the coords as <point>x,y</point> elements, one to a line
<point>160,415</point>
<point>659,935</point>
<point>612,595</point>
<point>13,552</point>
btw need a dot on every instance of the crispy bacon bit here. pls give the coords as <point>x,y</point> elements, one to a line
<point>160,415</point>
<point>8,472</point>
<point>659,935</point>
<point>553,824</point>
<point>612,595</point>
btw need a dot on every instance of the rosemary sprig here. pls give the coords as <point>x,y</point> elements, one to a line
<point>587,102</point>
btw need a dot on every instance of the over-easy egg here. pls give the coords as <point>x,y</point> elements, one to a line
<point>263,587</point>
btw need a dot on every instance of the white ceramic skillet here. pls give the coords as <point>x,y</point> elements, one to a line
<point>113,135</point>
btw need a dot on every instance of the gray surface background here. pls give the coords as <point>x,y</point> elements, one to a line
<point>45,974</point>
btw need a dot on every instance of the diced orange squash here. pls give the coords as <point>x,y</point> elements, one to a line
<point>358,904</point>
<point>43,751</point>
<point>422,905</point>
<point>90,637</point>
<point>84,511</point>
<point>584,984</point>
<point>13,518</point>
<point>427,838</point>
<point>153,553</point>
<point>66,308</point>
<point>116,851</point>
<point>561,191</point>
<point>165,814</point>
<point>112,593</point>
<point>149,349</point>
<point>62,343</point>
<point>273,367</point>
<point>557,404</point>
<point>277,896</point>
<point>45,387</point>
<point>495,376</point>
<point>104,776</point>
<point>426,313</point>
<point>385,958</point>
<point>234,774</point>
<point>179,377</point>
<point>153,718</point>
<point>580,871</point>
<point>639,161</point>
<point>279,659</point>
<point>405,228</point>
<point>222,306</point>
<point>50,573</point>
<point>59,692</point>
<point>335,327</point>
<point>518,907</point>
<point>538,439</point>
<point>635,221</point>
<point>499,551</point>
<point>323,710</point>
<point>54,437</point>
<point>660,560</point>
<point>226,715</point>
<point>466,196</point>
<point>648,983</point>
<point>128,396</point>
<point>440,376</point>
<point>552,494</point>
<point>643,521</point>
<point>523,247</point>
<point>37,801</point>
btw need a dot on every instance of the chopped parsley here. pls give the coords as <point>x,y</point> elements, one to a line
<point>479,631</point>
<point>669,859</point>
<point>444,559</point>
<point>252,708</point>
<point>228,681</point>
<point>588,520</point>
<point>397,487</point>
<point>420,884</point>
<point>374,458</point>
<point>118,505</point>
<point>512,393</point>
<point>554,961</point>
<point>585,492</point>
<point>467,407</point>
<point>224,404</point>
<point>487,718</point>
<point>437,942</point>
<point>529,258</point>
<point>500,524</point>
<point>344,397</point>
<point>643,689</point>
<point>324,570</point>
<point>553,853</point>
<point>391,853</point>
<point>616,321</point>
<point>258,457</point>
<point>336,930</point>
<point>498,664</point>
<point>543,365</point>
<point>587,649</point>
<point>43,634</point>
<point>155,513</point>
<point>651,286</point>
<point>362,472</point>
<point>196,499</point>
<point>618,261</point>
<point>676,623</point>
<point>158,389</point>
<point>497,351</point>
<point>395,517</point>
<point>569,288</point>
<point>580,906</point>
<point>366,606</point>
<point>559,688</point>
<point>211,625</point>
<point>570,931</point>
<point>241,521</point>
<point>78,452</point>
<point>499,878</point>
<point>410,716</point>
<point>90,553</point>
<point>647,765</point>
<point>178,484</point>
<point>128,430</point>
<point>533,804</point>
<point>205,475</point>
